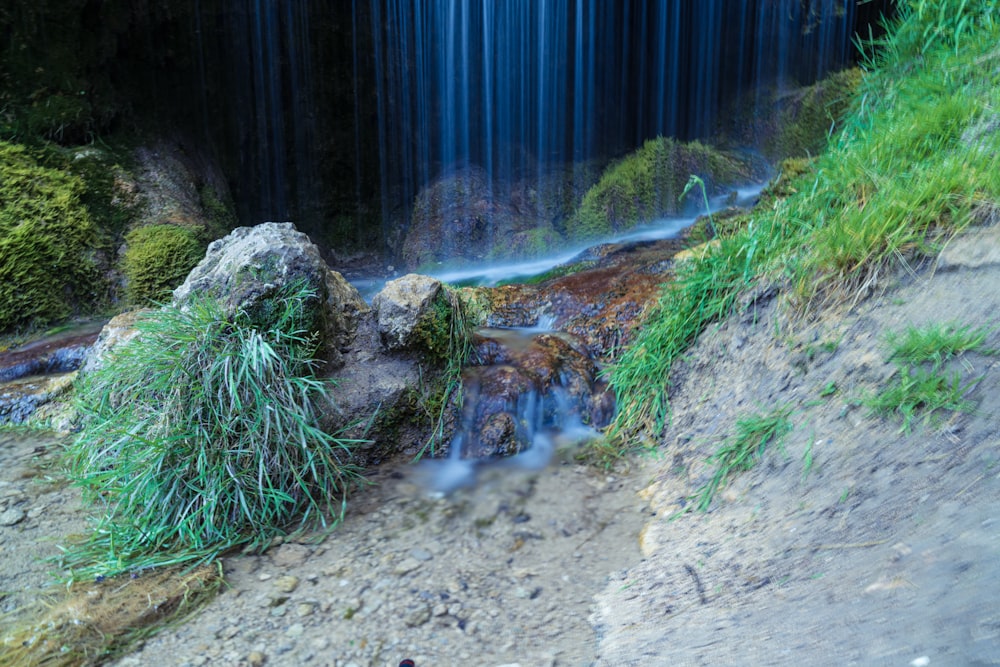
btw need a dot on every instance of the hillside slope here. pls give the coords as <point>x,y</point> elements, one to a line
<point>858,541</point>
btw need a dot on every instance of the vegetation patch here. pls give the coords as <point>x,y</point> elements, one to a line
<point>808,117</point>
<point>48,265</point>
<point>202,434</point>
<point>922,386</point>
<point>649,184</point>
<point>743,451</point>
<point>157,259</point>
<point>913,164</point>
<point>93,622</point>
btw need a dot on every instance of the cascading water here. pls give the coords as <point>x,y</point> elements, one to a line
<point>518,87</point>
<point>533,392</point>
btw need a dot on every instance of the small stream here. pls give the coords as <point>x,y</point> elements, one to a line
<point>533,393</point>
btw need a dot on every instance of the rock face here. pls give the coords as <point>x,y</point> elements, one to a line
<point>246,268</point>
<point>460,216</point>
<point>400,307</point>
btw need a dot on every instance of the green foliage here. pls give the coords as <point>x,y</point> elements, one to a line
<point>48,268</point>
<point>922,386</point>
<point>446,333</point>
<point>703,290</point>
<point>157,259</point>
<point>935,343</point>
<point>743,450</point>
<point>916,161</point>
<point>201,434</point>
<point>650,183</point>
<point>919,391</point>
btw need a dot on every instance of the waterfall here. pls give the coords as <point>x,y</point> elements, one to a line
<point>519,86</point>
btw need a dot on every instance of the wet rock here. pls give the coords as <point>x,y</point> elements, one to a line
<point>401,306</point>
<point>538,381</point>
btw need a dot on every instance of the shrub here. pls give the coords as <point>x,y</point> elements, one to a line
<point>201,434</point>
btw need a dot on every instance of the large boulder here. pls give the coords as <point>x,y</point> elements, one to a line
<point>245,269</point>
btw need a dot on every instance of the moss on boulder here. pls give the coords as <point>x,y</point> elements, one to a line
<point>49,267</point>
<point>157,259</point>
<point>647,184</point>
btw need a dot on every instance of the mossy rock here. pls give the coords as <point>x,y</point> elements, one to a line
<point>805,119</point>
<point>157,259</point>
<point>648,184</point>
<point>49,268</point>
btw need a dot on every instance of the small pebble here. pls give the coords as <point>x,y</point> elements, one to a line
<point>287,583</point>
<point>295,630</point>
<point>256,658</point>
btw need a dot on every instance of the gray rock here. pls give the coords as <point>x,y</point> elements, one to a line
<point>249,266</point>
<point>290,555</point>
<point>286,584</point>
<point>978,247</point>
<point>400,307</point>
<point>11,517</point>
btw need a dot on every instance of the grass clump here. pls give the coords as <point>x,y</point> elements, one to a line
<point>915,162</point>
<point>922,386</point>
<point>157,259</point>
<point>202,434</point>
<point>743,450</point>
<point>936,343</point>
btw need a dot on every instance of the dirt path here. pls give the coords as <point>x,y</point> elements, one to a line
<point>857,544</point>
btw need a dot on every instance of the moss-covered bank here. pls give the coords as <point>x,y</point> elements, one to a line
<point>648,184</point>
<point>49,243</point>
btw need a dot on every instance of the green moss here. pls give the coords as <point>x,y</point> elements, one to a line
<point>48,264</point>
<point>220,212</point>
<point>805,120</point>
<point>648,184</point>
<point>157,259</point>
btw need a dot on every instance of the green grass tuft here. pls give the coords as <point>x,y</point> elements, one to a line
<point>921,386</point>
<point>918,391</point>
<point>743,451</point>
<point>202,434</point>
<point>935,343</point>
